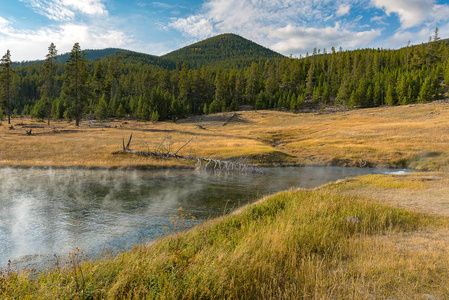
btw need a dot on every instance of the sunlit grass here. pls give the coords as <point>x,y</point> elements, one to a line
<point>295,244</point>
<point>407,136</point>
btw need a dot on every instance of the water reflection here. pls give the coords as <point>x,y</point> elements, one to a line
<point>54,211</point>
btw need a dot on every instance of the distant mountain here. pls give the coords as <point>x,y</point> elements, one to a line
<point>145,59</point>
<point>92,54</point>
<point>225,50</point>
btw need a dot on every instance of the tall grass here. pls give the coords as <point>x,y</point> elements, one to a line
<point>292,245</point>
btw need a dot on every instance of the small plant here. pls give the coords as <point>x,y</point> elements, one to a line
<point>179,223</point>
<point>154,117</point>
<point>76,258</point>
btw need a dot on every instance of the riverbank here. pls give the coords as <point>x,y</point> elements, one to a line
<point>295,244</point>
<point>414,136</point>
<point>320,243</point>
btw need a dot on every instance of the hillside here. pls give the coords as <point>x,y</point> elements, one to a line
<point>235,72</point>
<point>225,50</point>
<point>91,54</point>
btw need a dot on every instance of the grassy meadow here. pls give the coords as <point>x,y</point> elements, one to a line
<point>297,244</point>
<point>415,136</point>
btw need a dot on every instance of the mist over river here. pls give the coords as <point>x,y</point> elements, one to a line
<point>53,211</point>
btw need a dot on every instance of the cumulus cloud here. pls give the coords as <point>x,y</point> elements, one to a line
<point>287,26</point>
<point>66,26</point>
<point>301,39</point>
<point>63,36</point>
<point>414,12</point>
<point>66,10</point>
<point>343,10</point>
<point>196,26</point>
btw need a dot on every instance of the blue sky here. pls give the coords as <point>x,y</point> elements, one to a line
<point>27,27</point>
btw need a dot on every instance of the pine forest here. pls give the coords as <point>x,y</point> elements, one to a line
<point>133,85</point>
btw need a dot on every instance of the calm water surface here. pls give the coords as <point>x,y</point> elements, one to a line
<point>54,211</point>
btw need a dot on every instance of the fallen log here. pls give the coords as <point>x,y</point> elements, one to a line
<point>229,119</point>
<point>239,165</point>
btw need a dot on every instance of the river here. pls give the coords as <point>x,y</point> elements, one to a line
<point>54,211</point>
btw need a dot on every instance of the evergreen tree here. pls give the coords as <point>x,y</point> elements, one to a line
<point>50,73</point>
<point>154,116</point>
<point>57,109</point>
<point>301,100</point>
<point>426,90</point>
<point>76,88</point>
<point>390,96</point>
<point>101,111</point>
<point>120,113</point>
<point>39,110</point>
<point>6,72</point>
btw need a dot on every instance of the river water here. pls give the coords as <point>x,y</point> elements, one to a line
<point>54,211</point>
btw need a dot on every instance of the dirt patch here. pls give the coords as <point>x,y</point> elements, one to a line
<point>423,192</point>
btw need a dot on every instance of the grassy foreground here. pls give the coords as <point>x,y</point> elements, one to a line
<point>295,244</point>
<point>414,136</point>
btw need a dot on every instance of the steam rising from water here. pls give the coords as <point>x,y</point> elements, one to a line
<point>54,211</point>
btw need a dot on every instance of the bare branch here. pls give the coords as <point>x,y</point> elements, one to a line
<point>184,146</point>
<point>129,142</point>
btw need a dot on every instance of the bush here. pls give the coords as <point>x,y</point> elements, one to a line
<point>154,117</point>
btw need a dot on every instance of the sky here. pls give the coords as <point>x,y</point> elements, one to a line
<point>290,27</point>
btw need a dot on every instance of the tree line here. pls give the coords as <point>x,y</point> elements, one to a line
<point>122,85</point>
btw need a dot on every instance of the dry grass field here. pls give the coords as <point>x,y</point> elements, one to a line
<point>292,245</point>
<point>415,136</point>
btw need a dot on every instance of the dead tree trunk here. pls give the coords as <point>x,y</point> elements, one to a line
<point>165,151</point>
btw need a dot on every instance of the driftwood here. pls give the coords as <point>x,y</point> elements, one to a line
<point>229,119</point>
<point>164,150</point>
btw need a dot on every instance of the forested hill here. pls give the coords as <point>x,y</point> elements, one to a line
<point>91,54</point>
<point>224,51</point>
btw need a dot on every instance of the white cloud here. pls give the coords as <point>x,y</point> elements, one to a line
<point>287,26</point>
<point>63,36</point>
<point>379,20</point>
<point>88,7</point>
<point>302,39</point>
<point>343,10</point>
<point>66,10</point>
<point>196,26</point>
<point>3,23</point>
<point>414,12</point>
<point>250,16</point>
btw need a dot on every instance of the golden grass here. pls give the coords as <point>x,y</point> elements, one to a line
<point>292,245</point>
<point>423,192</point>
<point>413,136</point>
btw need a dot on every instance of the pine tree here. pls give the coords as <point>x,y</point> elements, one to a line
<point>326,94</point>
<point>101,111</point>
<point>5,83</point>
<point>57,109</point>
<point>76,88</point>
<point>39,111</point>
<point>50,73</point>
<point>390,96</point>
<point>120,113</point>
<point>425,93</point>
<point>301,100</point>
